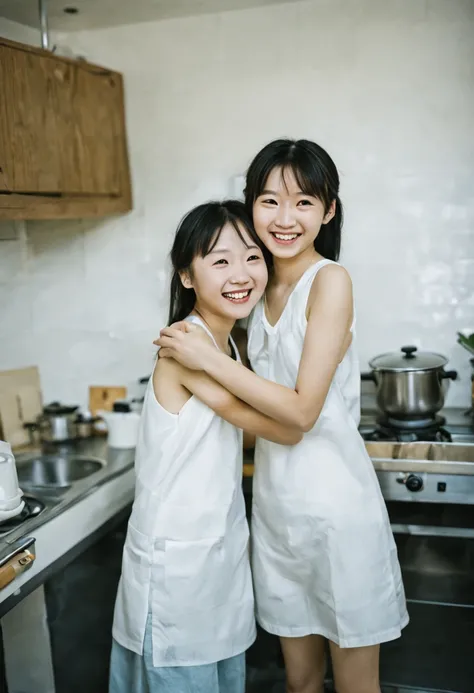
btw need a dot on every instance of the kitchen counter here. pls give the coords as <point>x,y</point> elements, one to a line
<point>71,514</point>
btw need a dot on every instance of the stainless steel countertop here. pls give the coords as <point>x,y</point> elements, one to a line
<point>115,463</point>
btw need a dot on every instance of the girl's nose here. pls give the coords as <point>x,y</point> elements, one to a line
<point>240,275</point>
<point>285,218</point>
<point>241,279</point>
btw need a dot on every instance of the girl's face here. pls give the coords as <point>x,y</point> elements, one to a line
<point>231,279</point>
<point>287,220</point>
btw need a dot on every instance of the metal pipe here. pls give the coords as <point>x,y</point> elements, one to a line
<point>44,24</point>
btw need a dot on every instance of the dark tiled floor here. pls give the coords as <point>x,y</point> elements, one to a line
<point>265,673</point>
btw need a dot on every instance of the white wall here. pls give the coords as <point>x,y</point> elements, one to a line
<point>19,32</point>
<point>386,87</point>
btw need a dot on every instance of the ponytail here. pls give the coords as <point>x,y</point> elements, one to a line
<point>182,300</point>
<point>328,241</point>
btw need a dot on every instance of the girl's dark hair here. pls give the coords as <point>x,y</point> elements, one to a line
<point>315,173</point>
<point>197,234</point>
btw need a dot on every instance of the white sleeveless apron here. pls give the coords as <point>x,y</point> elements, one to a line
<point>186,551</point>
<point>323,554</point>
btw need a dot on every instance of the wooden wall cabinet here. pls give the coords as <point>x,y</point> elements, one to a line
<point>63,149</point>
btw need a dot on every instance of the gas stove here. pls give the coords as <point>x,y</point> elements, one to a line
<point>426,475</point>
<point>33,507</point>
<point>451,426</point>
<point>429,464</point>
<point>434,430</point>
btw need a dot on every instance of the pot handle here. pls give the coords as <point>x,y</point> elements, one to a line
<point>449,375</point>
<point>409,351</point>
<point>368,376</point>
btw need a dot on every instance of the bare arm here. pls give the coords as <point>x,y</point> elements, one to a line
<point>326,341</point>
<point>224,403</point>
<point>240,338</point>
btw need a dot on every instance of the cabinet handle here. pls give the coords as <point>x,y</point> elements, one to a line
<point>16,558</point>
<point>15,566</point>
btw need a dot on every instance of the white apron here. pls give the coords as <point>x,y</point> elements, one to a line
<point>186,551</point>
<point>323,554</point>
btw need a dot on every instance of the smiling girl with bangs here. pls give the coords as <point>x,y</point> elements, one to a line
<point>324,559</point>
<point>184,614</point>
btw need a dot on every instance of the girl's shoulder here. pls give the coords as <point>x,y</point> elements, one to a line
<point>329,272</point>
<point>167,386</point>
<point>332,272</point>
<point>332,283</point>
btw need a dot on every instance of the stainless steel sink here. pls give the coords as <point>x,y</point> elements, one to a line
<point>56,471</point>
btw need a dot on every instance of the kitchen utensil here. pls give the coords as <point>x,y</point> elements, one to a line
<point>57,423</point>
<point>410,383</point>
<point>11,502</point>
<point>137,402</point>
<point>122,424</point>
<point>103,398</point>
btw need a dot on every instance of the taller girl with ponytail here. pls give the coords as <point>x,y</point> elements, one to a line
<point>324,560</point>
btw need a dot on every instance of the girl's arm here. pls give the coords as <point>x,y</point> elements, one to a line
<point>240,338</point>
<point>330,308</point>
<point>174,376</point>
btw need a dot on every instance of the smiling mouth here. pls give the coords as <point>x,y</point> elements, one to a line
<point>238,296</point>
<point>285,238</point>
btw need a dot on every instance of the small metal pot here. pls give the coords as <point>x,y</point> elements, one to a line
<point>410,384</point>
<point>57,423</point>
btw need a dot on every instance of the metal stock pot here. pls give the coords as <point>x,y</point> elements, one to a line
<point>56,424</point>
<point>410,384</point>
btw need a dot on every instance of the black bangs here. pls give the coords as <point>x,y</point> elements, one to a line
<point>310,180</point>
<point>237,215</point>
<point>197,235</point>
<point>316,175</point>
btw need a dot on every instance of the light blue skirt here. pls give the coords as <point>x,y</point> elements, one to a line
<point>133,673</point>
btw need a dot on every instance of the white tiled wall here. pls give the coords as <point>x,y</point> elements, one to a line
<point>387,87</point>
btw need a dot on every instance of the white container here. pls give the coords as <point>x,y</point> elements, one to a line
<point>10,493</point>
<point>122,426</point>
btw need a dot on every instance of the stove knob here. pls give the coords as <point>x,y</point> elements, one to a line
<point>414,483</point>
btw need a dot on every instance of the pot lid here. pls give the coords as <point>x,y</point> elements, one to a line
<point>122,407</point>
<point>408,359</point>
<point>57,409</point>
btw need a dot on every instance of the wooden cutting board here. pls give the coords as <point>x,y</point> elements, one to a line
<point>20,402</point>
<point>104,397</point>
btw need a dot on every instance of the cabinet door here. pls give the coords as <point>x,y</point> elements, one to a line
<point>61,126</point>
<point>36,116</point>
<point>98,131</point>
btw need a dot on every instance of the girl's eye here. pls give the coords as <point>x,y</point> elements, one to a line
<point>221,262</point>
<point>269,202</point>
<point>253,257</point>
<point>305,203</point>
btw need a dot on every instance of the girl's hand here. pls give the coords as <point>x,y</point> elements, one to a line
<point>187,343</point>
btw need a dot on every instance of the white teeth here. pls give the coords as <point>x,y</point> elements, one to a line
<point>237,295</point>
<point>286,236</point>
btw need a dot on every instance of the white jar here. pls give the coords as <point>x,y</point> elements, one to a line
<point>10,493</point>
<point>122,425</point>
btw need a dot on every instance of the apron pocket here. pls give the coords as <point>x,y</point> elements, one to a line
<point>195,574</point>
<point>205,602</point>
